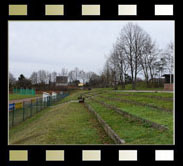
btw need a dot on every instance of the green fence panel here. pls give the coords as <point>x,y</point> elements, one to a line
<point>24,91</point>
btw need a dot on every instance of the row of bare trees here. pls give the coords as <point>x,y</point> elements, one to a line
<point>47,80</point>
<point>135,53</point>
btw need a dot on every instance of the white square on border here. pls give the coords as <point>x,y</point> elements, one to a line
<point>164,155</point>
<point>163,10</point>
<point>127,155</point>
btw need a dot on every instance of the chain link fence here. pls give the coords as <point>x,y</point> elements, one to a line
<point>19,112</point>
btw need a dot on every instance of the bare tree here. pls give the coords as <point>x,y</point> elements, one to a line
<point>122,64</point>
<point>89,75</point>
<point>169,56</point>
<point>64,72</point>
<point>113,63</point>
<point>49,78</point>
<point>12,80</point>
<point>82,76</point>
<point>76,71</point>
<point>53,76</point>
<point>106,73</point>
<point>149,58</point>
<point>71,76</point>
<point>34,78</point>
<point>42,77</point>
<point>132,39</point>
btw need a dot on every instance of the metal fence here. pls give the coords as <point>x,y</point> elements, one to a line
<point>19,112</point>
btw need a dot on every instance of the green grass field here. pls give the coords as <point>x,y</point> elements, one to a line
<point>142,99</point>
<point>131,131</point>
<point>65,124</point>
<point>154,94</point>
<point>18,96</point>
<point>140,86</point>
<point>70,122</point>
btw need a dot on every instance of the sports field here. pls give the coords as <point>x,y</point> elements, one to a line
<point>137,118</point>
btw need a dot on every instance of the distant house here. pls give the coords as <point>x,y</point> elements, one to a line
<point>80,84</point>
<point>61,81</point>
<point>168,82</point>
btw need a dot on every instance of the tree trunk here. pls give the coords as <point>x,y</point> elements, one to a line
<point>170,78</point>
<point>133,85</point>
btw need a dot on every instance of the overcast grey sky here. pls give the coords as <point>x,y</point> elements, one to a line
<point>51,45</point>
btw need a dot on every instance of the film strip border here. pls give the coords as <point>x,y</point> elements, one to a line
<point>22,9</point>
<point>84,9</point>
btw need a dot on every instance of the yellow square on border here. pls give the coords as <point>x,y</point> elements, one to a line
<point>54,10</point>
<point>18,155</point>
<point>17,10</point>
<point>90,10</point>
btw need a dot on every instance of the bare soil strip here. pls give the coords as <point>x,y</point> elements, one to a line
<point>128,115</point>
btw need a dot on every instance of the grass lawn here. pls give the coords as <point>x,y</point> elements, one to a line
<point>131,131</point>
<point>140,86</point>
<point>149,94</point>
<point>69,123</point>
<point>160,117</point>
<point>142,99</point>
<point>18,96</point>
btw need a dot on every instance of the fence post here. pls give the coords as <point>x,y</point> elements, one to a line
<point>41,102</point>
<point>23,111</point>
<point>36,105</point>
<point>50,100</point>
<point>13,116</point>
<point>31,109</point>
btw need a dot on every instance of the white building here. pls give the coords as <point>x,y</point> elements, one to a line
<point>45,96</point>
<point>54,95</point>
